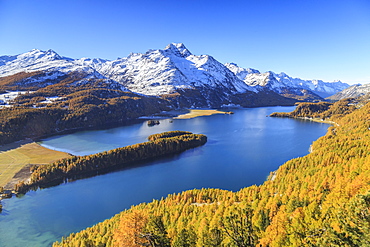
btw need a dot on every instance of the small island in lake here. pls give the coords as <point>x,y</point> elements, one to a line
<point>153,122</point>
<point>198,113</point>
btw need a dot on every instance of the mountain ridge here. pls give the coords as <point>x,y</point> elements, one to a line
<point>171,70</point>
<point>278,82</point>
<point>353,91</point>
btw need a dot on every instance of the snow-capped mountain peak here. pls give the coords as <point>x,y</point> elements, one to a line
<point>164,72</point>
<point>240,72</point>
<point>178,49</point>
<point>282,81</point>
<point>282,75</point>
<point>38,60</point>
<point>39,55</point>
<point>353,91</point>
<point>159,72</point>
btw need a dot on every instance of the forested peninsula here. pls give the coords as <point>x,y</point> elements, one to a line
<point>322,111</point>
<point>76,166</point>
<point>321,199</point>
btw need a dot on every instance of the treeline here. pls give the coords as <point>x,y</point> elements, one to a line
<point>167,134</point>
<point>81,106</point>
<point>321,110</point>
<point>322,199</point>
<point>215,98</point>
<point>17,81</point>
<point>75,166</point>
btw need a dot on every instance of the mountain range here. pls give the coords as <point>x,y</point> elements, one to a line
<point>174,73</point>
<point>353,91</point>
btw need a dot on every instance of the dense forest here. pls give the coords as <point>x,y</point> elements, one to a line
<point>321,199</point>
<point>166,143</point>
<point>77,103</point>
<point>324,111</point>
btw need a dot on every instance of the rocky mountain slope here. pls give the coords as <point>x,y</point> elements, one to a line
<point>159,72</point>
<point>354,91</point>
<point>282,83</point>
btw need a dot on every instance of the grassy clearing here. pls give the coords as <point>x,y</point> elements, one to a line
<point>13,160</point>
<point>199,113</point>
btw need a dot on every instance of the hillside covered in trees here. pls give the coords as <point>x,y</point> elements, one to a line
<point>70,102</point>
<point>73,167</point>
<point>322,110</point>
<point>321,199</point>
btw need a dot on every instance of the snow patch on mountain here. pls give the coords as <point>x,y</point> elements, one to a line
<point>6,98</point>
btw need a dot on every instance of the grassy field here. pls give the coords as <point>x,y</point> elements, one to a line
<point>199,113</point>
<point>13,160</point>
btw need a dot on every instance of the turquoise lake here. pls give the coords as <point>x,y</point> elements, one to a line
<point>242,150</point>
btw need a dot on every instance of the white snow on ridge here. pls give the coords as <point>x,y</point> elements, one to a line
<point>277,82</point>
<point>158,72</point>
<point>241,73</point>
<point>163,71</point>
<point>154,73</point>
<point>353,92</point>
<point>178,49</point>
<point>37,60</point>
<point>54,66</point>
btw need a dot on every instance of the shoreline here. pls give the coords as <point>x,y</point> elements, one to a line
<point>17,158</point>
<point>14,145</point>
<point>317,120</point>
<point>74,167</point>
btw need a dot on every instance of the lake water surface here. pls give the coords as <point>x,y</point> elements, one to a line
<point>242,150</point>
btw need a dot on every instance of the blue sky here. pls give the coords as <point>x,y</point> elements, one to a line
<point>310,39</point>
